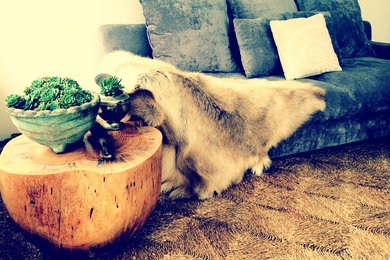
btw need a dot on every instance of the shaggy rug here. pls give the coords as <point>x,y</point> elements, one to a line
<point>328,204</point>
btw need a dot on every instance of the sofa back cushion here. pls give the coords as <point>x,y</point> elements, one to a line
<point>192,35</point>
<point>260,8</point>
<point>348,25</point>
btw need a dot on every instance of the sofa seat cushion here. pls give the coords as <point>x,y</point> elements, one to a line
<point>338,102</point>
<point>314,135</point>
<point>365,81</point>
<point>363,86</point>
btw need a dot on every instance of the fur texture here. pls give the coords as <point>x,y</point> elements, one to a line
<point>215,129</point>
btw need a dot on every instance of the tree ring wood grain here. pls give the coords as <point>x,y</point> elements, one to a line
<point>77,200</point>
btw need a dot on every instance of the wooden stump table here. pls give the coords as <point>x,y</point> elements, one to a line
<point>76,200</point>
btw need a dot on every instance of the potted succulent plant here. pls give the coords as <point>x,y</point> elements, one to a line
<point>53,111</point>
<point>114,103</point>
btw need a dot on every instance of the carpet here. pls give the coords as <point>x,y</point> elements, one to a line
<point>327,204</point>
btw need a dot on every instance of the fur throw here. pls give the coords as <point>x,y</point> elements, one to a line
<point>214,129</point>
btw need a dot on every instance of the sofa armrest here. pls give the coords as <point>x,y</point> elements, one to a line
<point>381,49</point>
<point>367,29</point>
<point>128,37</point>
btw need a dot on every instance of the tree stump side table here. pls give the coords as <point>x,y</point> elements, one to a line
<point>76,200</point>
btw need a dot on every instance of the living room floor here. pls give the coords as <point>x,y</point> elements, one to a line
<point>327,204</point>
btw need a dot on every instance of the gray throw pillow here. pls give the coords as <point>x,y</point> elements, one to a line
<point>192,35</point>
<point>348,25</point>
<point>259,56</point>
<point>260,8</point>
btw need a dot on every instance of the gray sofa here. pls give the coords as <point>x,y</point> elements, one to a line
<point>357,98</point>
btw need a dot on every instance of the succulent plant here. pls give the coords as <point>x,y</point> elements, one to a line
<point>15,100</point>
<point>111,86</point>
<point>50,93</point>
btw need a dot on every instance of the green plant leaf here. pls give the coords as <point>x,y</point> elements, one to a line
<point>15,101</point>
<point>111,86</point>
<point>50,93</point>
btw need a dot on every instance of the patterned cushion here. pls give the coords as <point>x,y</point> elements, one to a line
<point>304,46</point>
<point>329,24</point>
<point>192,35</point>
<point>261,8</point>
<point>350,34</point>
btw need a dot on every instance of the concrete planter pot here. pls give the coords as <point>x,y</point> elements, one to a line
<point>58,128</point>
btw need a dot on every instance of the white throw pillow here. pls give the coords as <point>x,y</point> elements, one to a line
<point>304,47</point>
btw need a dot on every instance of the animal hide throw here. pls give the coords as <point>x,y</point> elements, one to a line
<point>214,128</point>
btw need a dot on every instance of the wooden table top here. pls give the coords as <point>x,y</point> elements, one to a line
<point>132,146</point>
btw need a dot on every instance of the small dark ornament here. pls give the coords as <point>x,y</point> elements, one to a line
<point>114,103</point>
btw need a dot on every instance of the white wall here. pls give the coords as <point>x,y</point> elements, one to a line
<point>377,12</point>
<point>46,38</point>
